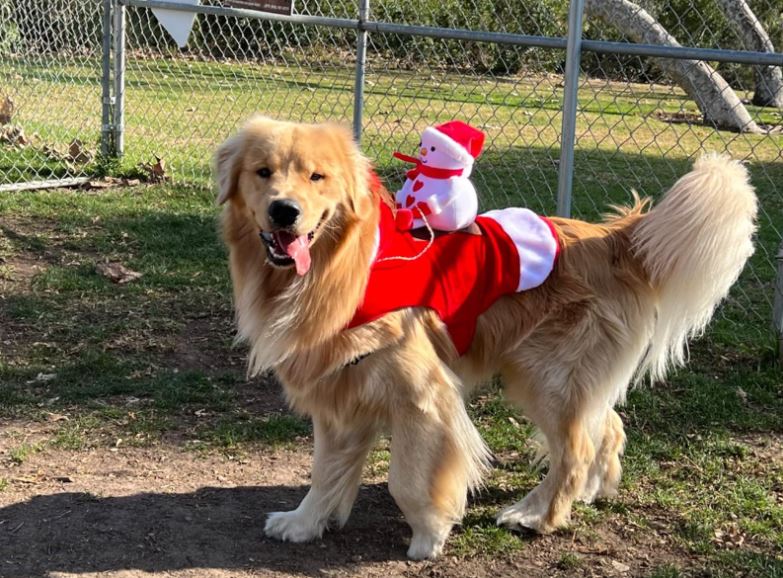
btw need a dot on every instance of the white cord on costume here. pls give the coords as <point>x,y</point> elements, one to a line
<point>420,253</point>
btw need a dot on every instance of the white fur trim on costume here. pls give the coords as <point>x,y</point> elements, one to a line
<point>375,245</point>
<point>452,147</point>
<point>535,243</point>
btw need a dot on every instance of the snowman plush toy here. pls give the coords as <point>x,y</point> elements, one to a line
<point>438,189</point>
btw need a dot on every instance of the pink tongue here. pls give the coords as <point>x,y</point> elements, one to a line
<point>298,248</point>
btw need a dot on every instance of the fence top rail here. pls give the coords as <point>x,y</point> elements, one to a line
<point>550,42</point>
<point>244,13</point>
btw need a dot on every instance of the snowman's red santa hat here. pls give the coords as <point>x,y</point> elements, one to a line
<point>457,139</point>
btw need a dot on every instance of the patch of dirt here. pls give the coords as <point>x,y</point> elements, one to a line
<point>132,512</point>
<point>679,117</point>
<point>20,269</point>
<point>26,232</point>
<point>137,511</point>
<point>18,263</point>
<point>766,448</point>
<point>16,274</point>
<point>202,344</point>
<point>262,397</point>
<point>17,266</point>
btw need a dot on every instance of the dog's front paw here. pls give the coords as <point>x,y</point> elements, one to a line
<point>293,526</point>
<point>425,546</point>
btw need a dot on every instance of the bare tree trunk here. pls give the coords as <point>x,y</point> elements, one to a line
<point>715,98</point>
<point>769,79</point>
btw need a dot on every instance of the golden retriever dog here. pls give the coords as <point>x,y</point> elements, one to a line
<point>300,221</point>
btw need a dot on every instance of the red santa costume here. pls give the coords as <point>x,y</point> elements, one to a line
<point>460,274</point>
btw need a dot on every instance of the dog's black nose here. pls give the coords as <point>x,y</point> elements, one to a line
<point>284,213</point>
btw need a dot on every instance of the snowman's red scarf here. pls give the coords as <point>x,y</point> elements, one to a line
<point>427,171</point>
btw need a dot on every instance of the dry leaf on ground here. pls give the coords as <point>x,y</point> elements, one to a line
<point>13,135</point>
<point>7,108</point>
<point>155,172</point>
<point>78,152</point>
<point>117,272</point>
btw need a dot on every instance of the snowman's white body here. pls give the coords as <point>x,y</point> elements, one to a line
<point>451,202</point>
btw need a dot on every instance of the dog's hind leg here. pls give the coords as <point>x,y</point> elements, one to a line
<point>338,458</point>
<point>566,377</point>
<point>565,422</point>
<point>604,475</point>
<point>548,506</point>
<point>436,456</point>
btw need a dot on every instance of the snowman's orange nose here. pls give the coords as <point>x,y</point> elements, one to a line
<point>423,151</point>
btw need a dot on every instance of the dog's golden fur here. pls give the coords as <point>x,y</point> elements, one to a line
<point>623,298</point>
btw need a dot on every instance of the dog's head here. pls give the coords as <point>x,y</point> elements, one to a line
<point>300,184</point>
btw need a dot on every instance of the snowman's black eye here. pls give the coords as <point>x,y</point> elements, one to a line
<point>419,144</point>
<point>432,148</point>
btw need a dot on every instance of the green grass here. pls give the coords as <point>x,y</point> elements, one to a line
<point>569,562</point>
<point>480,536</point>
<point>152,362</point>
<point>234,431</point>
<point>74,433</point>
<point>20,454</point>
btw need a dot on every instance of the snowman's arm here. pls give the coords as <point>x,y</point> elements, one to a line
<point>436,204</point>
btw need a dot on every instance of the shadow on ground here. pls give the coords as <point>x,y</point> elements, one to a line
<point>208,528</point>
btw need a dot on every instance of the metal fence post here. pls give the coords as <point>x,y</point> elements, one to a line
<point>777,315</point>
<point>570,95</point>
<point>106,128</point>
<point>361,56</point>
<point>119,80</point>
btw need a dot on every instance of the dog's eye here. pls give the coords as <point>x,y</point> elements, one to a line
<point>264,173</point>
<point>316,177</point>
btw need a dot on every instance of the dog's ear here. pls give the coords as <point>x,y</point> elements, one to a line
<point>359,193</point>
<point>227,164</point>
<point>357,185</point>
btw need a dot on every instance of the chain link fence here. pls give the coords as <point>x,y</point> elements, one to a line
<point>497,64</point>
<point>50,91</point>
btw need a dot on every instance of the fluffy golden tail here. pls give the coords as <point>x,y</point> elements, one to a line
<point>694,244</point>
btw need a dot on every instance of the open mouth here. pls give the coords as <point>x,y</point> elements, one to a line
<point>285,249</point>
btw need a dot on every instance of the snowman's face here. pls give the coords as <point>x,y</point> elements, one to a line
<point>432,154</point>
